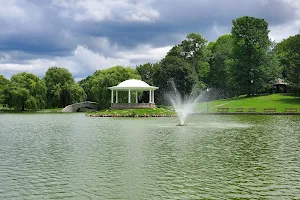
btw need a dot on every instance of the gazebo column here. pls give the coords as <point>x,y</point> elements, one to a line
<point>136,97</point>
<point>150,96</point>
<point>112,96</point>
<point>116,96</point>
<point>129,100</point>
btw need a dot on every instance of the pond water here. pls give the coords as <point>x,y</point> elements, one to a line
<point>71,156</point>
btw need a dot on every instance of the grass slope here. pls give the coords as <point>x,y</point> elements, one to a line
<point>278,101</point>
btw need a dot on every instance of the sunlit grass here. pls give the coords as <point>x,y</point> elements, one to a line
<point>278,101</point>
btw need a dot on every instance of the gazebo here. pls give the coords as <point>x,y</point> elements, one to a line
<point>279,86</point>
<point>132,85</point>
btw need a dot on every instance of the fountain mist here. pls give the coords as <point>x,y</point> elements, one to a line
<point>183,107</point>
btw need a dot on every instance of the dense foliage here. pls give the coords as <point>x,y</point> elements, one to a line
<point>186,65</point>
<point>251,69</point>
<point>220,64</point>
<point>3,85</point>
<point>147,73</point>
<point>25,90</point>
<point>61,88</point>
<point>96,86</point>
<point>288,52</point>
<point>243,62</point>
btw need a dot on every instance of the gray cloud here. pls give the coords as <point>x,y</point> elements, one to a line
<point>127,32</point>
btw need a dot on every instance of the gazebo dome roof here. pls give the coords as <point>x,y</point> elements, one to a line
<point>133,84</point>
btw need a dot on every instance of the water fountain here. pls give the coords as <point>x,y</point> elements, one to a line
<point>183,107</point>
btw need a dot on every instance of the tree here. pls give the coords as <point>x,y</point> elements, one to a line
<point>186,64</point>
<point>25,91</point>
<point>3,85</point>
<point>195,51</point>
<point>220,63</point>
<point>288,53</point>
<point>85,84</point>
<point>251,45</point>
<point>60,84</point>
<point>175,69</point>
<point>146,71</point>
<point>73,93</point>
<point>102,79</point>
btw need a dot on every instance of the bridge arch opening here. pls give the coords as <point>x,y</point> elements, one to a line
<point>81,107</point>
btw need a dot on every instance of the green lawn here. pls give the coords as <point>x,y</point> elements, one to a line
<point>4,108</point>
<point>278,101</point>
<point>50,110</point>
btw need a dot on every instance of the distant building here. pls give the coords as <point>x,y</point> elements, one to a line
<point>279,86</point>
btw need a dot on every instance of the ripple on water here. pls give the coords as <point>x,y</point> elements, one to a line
<point>214,157</point>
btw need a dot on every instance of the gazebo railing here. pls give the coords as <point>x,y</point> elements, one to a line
<point>132,105</point>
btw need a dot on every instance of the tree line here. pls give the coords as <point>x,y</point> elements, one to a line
<point>243,62</point>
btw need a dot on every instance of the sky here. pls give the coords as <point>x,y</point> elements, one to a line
<point>88,35</point>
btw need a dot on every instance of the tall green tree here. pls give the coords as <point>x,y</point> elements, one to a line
<point>25,91</point>
<point>146,72</point>
<point>61,88</point>
<point>251,45</point>
<point>73,93</point>
<point>3,85</point>
<point>220,63</point>
<point>85,84</point>
<point>173,69</point>
<point>102,79</point>
<point>288,53</point>
<point>194,50</point>
<point>185,64</point>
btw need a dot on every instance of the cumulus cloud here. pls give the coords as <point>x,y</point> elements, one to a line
<point>87,35</point>
<point>83,61</point>
<point>280,32</point>
<point>144,53</point>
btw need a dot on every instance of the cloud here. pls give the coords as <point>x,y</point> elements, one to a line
<point>87,35</point>
<point>280,32</point>
<point>144,53</point>
<point>83,61</point>
<point>102,10</point>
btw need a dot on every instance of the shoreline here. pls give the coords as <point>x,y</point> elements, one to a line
<point>130,115</point>
<point>175,115</point>
<point>147,115</point>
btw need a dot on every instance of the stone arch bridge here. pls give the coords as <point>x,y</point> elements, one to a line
<point>74,107</point>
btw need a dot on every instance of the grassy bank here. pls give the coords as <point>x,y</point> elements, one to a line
<point>141,112</point>
<point>278,101</point>
<point>4,108</point>
<point>48,110</point>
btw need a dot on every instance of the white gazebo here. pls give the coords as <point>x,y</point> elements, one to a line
<point>132,85</point>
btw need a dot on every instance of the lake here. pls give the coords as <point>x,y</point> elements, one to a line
<point>71,156</point>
